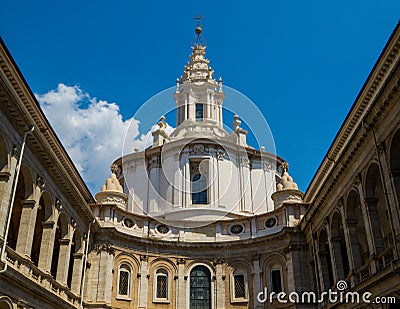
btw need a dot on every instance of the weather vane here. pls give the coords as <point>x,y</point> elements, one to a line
<point>199,40</point>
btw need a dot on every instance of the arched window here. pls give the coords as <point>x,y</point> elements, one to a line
<point>161,285</point>
<point>124,281</point>
<point>239,288</point>
<point>275,278</point>
<point>200,288</point>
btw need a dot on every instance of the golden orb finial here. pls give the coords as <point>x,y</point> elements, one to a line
<point>198,29</point>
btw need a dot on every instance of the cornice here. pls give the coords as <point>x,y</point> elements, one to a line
<point>112,235</point>
<point>44,142</point>
<point>365,101</point>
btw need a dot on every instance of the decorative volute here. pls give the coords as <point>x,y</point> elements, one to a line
<point>112,193</point>
<point>286,190</point>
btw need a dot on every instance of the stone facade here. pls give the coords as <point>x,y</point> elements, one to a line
<point>133,247</point>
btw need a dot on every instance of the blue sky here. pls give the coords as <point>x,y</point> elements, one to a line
<point>301,62</point>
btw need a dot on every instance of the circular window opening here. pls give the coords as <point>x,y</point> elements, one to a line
<point>129,223</point>
<point>162,229</point>
<point>237,229</point>
<point>271,222</point>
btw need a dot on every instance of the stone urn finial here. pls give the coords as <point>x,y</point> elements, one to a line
<point>112,193</point>
<point>287,190</point>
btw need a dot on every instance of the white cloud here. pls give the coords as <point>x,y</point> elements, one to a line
<point>91,130</point>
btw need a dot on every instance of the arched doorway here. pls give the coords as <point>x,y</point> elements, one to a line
<point>200,288</point>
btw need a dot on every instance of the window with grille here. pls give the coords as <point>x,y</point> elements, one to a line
<point>124,278</point>
<point>161,284</point>
<point>239,286</point>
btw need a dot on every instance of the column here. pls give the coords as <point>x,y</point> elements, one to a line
<point>181,288</point>
<point>77,273</point>
<point>63,261</point>
<point>144,282</point>
<point>26,227</point>
<point>46,248</point>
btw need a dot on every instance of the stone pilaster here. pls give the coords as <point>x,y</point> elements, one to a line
<point>144,282</point>
<point>181,288</point>
<point>99,283</point>
<point>353,246</point>
<point>257,280</point>
<point>63,261</point>
<point>186,183</point>
<point>77,273</point>
<point>26,227</point>
<point>337,259</point>
<point>375,225</point>
<point>6,182</point>
<point>220,283</point>
<point>46,248</point>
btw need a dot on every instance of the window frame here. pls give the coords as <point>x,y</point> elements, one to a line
<point>194,164</point>
<point>234,299</point>
<point>124,267</point>
<point>198,119</point>
<point>276,267</point>
<point>161,272</point>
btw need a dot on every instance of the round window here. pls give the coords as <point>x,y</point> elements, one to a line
<point>271,222</point>
<point>129,223</point>
<point>162,229</point>
<point>237,228</point>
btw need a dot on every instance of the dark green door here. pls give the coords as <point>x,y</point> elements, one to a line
<point>200,288</point>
